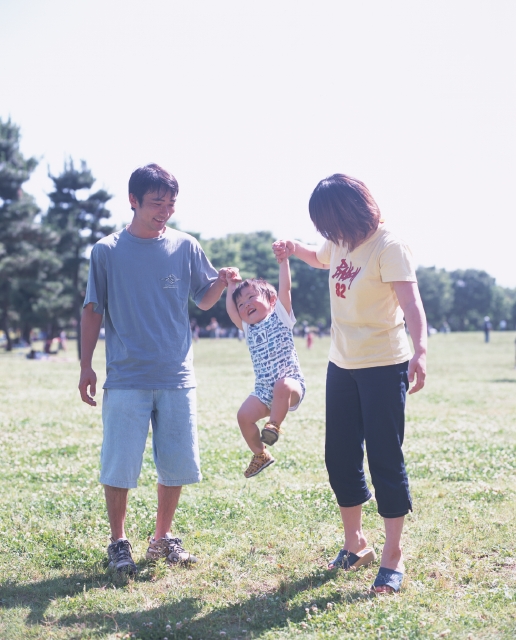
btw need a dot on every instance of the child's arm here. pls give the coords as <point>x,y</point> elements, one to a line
<point>233,280</point>
<point>285,284</point>
<point>305,252</point>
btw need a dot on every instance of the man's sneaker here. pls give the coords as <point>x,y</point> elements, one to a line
<point>120,559</point>
<point>270,433</point>
<point>258,463</point>
<point>170,549</point>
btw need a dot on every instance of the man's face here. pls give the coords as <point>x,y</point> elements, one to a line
<point>152,215</point>
<point>253,306</point>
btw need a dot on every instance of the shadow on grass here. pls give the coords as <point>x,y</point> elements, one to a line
<point>257,614</point>
<point>504,380</point>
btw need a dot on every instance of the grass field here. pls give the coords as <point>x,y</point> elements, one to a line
<point>263,543</point>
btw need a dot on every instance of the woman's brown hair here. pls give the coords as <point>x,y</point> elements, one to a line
<point>343,210</point>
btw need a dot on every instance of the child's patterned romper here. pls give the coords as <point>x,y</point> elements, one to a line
<point>271,343</point>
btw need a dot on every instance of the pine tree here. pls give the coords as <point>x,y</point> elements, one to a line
<point>80,223</point>
<point>25,248</point>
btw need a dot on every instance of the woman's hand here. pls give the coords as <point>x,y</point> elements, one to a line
<point>417,372</point>
<point>410,301</point>
<point>283,249</point>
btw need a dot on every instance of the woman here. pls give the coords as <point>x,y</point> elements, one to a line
<point>373,292</point>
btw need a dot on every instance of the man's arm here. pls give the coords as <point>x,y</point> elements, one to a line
<point>410,302</point>
<point>305,252</point>
<point>90,329</point>
<point>215,291</point>
<point>285,285</point>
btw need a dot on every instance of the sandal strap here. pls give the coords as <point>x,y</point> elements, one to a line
<point>345,559</point>
<point>388,578</point>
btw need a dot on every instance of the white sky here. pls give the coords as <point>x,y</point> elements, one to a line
<point>250,104</point>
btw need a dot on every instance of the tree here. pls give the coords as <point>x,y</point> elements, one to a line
<point>80,223</point>
<point>436,288</point>
<point>310,293</point>
<point>473,294</point>
<point>25,248</point>
<point>501,305</point>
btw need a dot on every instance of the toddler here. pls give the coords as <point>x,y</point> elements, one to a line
<point>266,318</point>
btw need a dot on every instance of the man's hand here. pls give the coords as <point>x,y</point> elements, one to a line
<point>417,372</point>
<point>223,275</point>
<point>227,274</point>
<point>216,288</point>
<point>88,379</point>
<point>233,277</point>
<point>283,249</point>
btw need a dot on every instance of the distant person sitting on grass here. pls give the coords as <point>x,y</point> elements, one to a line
<point>266,318</point>
<point>140,279</point>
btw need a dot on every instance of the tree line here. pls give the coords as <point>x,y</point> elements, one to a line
<point>44,260</point>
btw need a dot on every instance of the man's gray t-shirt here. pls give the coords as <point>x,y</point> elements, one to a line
<point>142,286</point>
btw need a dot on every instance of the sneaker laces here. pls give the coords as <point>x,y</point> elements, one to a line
<point>123,550</point>
<point>175,544</point>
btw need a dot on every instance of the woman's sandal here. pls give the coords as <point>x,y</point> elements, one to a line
<point>347,560</point>
<point>387,578</point>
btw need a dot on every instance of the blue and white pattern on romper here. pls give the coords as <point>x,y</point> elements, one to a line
<point>271,344</point>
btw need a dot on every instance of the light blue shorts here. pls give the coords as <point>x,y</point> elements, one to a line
<point>126,414</point>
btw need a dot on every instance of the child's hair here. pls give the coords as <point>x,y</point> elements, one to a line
<point>343,210</point>
<point>152,178</point>
<point>259,284</point>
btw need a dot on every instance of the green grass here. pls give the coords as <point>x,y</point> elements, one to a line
<point>263,543</point>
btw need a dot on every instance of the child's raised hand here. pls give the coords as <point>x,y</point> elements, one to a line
<point>233,276</point>
<point>283,249</point>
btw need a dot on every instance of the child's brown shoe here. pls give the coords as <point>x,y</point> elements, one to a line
<point>258,463</point>
<point>270,433</point>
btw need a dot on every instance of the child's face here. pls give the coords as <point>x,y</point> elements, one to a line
<point>253,305</point>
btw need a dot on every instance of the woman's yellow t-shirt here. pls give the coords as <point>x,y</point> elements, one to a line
<point>367,324</point>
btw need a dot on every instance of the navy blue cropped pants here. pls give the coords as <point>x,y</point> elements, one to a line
<point>367,405</point>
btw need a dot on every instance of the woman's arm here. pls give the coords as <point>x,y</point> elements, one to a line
<point>305,252</point>
<point>410,302</point>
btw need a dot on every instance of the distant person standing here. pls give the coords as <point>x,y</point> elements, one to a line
<point>140,280</point>
<point>213,328</point>
<point>487,328</point>
<point>194,327</point>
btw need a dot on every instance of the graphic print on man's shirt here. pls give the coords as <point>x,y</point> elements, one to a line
<point>342,273</point>
<point>170,282</point>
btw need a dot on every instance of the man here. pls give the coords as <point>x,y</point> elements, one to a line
<point>140,280</point>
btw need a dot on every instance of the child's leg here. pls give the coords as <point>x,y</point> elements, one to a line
<point>287,393</point>
<point>249,413</point>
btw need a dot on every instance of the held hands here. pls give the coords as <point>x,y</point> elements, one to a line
<point>283,249</point>
<point>229,275</point>
<point>417,372</point>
